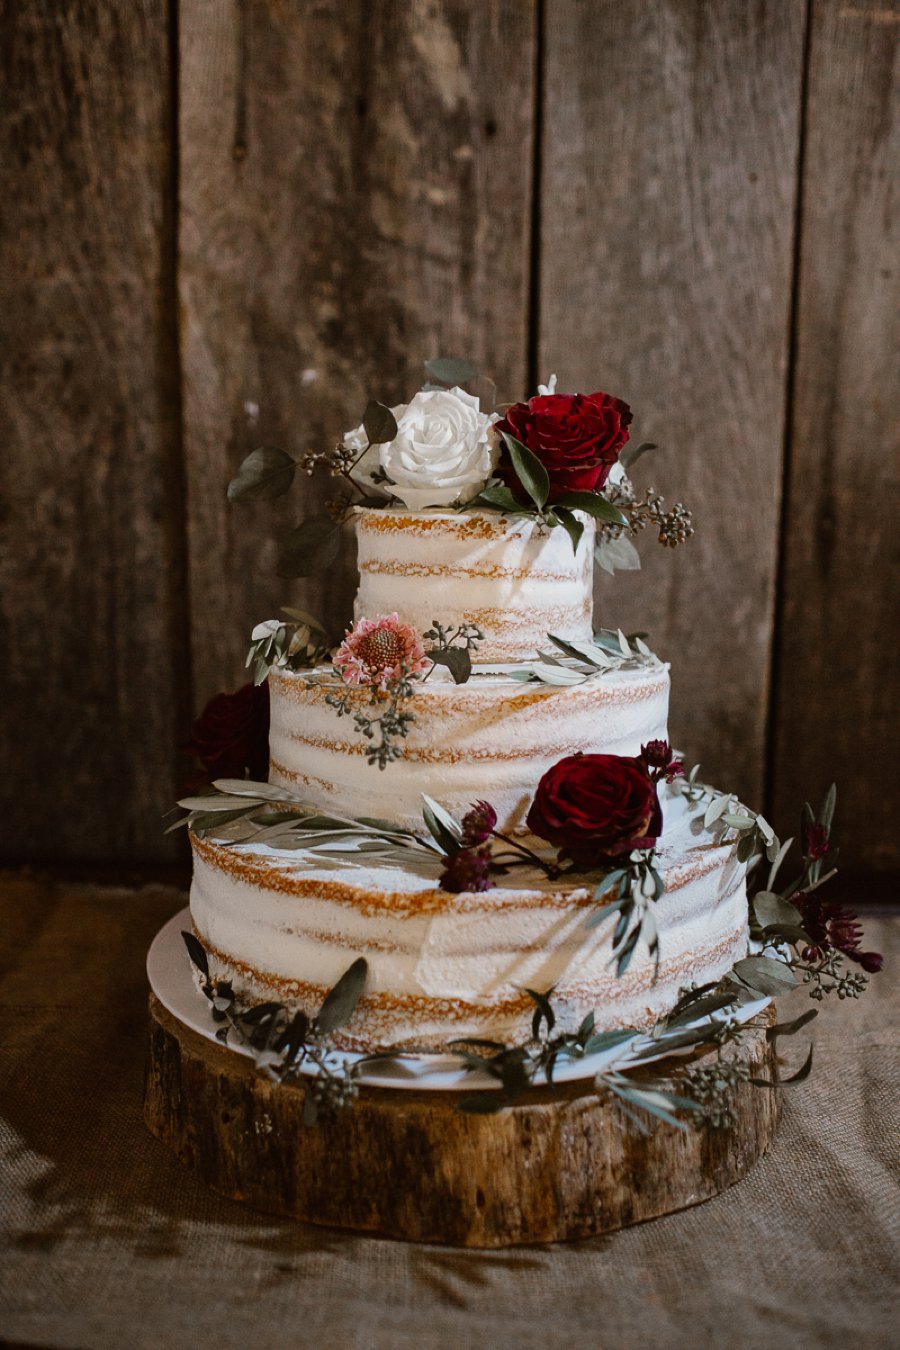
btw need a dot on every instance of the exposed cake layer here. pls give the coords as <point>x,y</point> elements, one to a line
<point>492,738</point>
<point>514,579</point>
<point>286,926</point>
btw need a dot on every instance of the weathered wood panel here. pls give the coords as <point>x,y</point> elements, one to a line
<point>94,660</point>
<point>836,710</point>
<point>355,198</point>
<point>669,166</point>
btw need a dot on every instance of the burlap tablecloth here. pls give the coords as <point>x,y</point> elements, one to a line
<point>108,1242</point>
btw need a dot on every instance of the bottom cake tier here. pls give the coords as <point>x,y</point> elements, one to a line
<point>285,926</point>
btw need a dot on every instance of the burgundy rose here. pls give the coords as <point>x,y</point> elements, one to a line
<point>478,823</point>
<point>467,870</point>
<point>231,736</point>
<point>577,438</point>
<point>596,807</point>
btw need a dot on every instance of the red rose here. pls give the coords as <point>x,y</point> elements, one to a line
<point>231,736</point>
<point>596,807</point>
<point>577,438</point>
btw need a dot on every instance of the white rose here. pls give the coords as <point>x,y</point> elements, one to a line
<point>443,452</point>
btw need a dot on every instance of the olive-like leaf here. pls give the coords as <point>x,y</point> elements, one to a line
<point>379,423</point>
<point>266,473</point>
<point>196,952</point>
<point>310,548</point>
<point>340,1003</point>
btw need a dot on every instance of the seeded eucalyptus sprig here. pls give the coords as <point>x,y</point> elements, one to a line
<point>284,1043</point>
<point>392,723</point>
<point>703,1019</point>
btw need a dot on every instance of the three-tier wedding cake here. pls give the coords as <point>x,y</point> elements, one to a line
<point>413,789</point>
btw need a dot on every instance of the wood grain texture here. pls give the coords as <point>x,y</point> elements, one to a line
<point>356,185</point>
<point>669,165</point>
<point>94,670</point>
<point>562,1163</point>
<point>839,662</point>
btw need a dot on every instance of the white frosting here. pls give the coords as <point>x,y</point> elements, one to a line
<point>286,926</point>
<point>516,580</point>
<point>492,738</point>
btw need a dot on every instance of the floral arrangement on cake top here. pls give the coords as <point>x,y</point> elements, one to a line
<point>550,458</point>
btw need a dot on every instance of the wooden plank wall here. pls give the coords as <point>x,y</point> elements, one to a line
<point>94,677</point>
<point>687,205</point>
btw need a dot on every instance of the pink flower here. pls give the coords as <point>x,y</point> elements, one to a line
<point>379,652</point>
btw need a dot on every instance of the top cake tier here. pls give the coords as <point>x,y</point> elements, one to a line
<point>515,579</point>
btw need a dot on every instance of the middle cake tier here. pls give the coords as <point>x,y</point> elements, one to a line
<point>492,738</point>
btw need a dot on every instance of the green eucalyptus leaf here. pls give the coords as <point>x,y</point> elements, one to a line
<point>310,548</point>
<point>826,815</point>
<point>457,660</point>
<point>765,975</point>
<point>379,423</point>
<point>593,504</point>
<point>529,470</point>
<point>266,473</point>
<point>769,908</point>
<point>340,1004</point>
<point>450,370</point>
<point>617,555</point>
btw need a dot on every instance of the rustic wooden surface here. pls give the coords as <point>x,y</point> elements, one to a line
<point>563,1163</point>
<point>356,195</point>
<point>836,699</point>
<point>669,170</point>
<point>93,681</point>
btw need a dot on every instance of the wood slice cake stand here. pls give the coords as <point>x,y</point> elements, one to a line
<point>563,1162</point>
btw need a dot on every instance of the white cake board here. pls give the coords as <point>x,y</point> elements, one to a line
<point>171,977</point>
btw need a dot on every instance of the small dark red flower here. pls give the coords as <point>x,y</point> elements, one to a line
<point>231,736</point>
<point>594,808</point>
<point>577,438</point>
<point>832,928</point>
<point>816,841</point>
<point>467,870</point>
<point>657,755</point>
<point>478,823</point>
